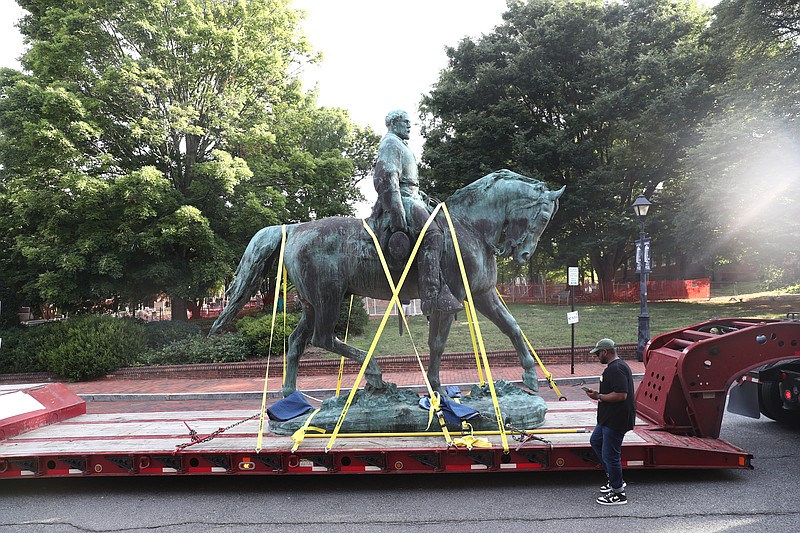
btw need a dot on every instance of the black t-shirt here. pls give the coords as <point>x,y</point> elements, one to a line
<point>621,416</point>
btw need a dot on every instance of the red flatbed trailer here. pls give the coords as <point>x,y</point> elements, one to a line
<point>680,406</point>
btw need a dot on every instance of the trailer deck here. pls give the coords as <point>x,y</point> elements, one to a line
<point>68,444</point>
<point>45,431</point>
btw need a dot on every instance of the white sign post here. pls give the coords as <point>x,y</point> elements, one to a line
<point>572,276</point>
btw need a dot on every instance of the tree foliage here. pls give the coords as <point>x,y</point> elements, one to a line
<point>740,199</point>
<point>151,138</point>
<point>600,97</point>
<point>317,160</point>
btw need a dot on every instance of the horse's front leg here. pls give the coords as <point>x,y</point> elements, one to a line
<point>489,304</point>
<point>438,331</point>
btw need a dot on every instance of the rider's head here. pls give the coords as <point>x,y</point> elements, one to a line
<point>398,123</point>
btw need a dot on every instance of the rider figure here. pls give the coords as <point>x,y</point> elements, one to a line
<point>397,183</point>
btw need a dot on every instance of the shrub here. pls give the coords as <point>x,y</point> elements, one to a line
<point>358,318</point>
<point>225,348</point>
<point>90,346</point>
<point>257,330</point>
<point>204,324</point>
<point>793,289</point>
<point>774,277</point>
<point>20,349</point>
<point>161,333</point>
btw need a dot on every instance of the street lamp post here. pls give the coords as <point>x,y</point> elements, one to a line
<point>641,205</point>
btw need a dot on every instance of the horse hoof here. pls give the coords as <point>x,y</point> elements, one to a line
<point>530,380</point>
<point>385,388</point>
<point>372,387</point>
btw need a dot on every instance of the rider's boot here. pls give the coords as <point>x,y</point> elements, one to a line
<point>436,295</point>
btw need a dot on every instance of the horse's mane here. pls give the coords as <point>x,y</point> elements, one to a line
<point>474,190</point>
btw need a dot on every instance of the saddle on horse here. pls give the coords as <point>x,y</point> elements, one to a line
<point>396,246</point>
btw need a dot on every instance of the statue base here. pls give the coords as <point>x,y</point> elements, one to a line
<point>393,410</point>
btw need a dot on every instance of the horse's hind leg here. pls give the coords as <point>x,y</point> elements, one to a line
<point>324,337</point>
<point>373,372</point>
<point>297,345</point>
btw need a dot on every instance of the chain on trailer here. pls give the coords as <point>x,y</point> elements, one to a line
<point>196,439</point>
<point>520,435</point>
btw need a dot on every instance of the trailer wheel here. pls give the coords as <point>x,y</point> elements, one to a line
<point>771,405</point>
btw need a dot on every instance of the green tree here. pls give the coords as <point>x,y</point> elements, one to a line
<point>125,150</point>
<point>740,200</point>
<point>600,97</point>
<point>317,160</point>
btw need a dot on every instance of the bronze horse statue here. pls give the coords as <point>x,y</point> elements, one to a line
<point>334,257</point>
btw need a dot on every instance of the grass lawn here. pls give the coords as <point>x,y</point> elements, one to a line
<point>546,325</point>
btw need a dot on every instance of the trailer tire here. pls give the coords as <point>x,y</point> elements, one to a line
<point>771,405</point>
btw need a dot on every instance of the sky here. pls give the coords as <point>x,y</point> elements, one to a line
<point>377,55</point>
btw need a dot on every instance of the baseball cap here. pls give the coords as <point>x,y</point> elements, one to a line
<point>603,344</point>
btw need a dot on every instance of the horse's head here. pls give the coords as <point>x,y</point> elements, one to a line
<point>508,209</point>
<point>527,218</point>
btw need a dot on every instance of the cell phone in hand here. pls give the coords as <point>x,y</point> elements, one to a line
<point>587,389</point>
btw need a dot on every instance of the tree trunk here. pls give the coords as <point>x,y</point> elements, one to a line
<point>606,265</point>
<point>179,309</point>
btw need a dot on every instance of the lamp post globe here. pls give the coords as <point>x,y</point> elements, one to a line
<point>641,206</point>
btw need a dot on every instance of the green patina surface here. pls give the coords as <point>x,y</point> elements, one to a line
<point>503,213</point>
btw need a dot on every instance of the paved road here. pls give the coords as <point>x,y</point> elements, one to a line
<point>765,499</point>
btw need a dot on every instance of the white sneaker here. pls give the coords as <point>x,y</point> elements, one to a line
<point>613,498</point>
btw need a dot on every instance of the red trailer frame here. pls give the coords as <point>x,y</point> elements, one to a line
<point>680,406</point>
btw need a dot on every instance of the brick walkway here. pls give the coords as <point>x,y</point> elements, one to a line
<point>225,393</point>
<point>561,373</point>
<point>241,385</point>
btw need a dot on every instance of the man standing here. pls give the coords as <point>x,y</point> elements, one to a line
<point>616,415</point>
<point>397,184</point>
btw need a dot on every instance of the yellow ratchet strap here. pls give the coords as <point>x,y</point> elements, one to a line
<point>324,435</point>
<point>260,439</point>
<point>367,359</point>
<point>394,301</point>
<point>471,441</point>
<point>550,381</point>
<point>285,339</point>
<point>346,331</point>
<point>465,281</point>
<point>300,434</point>
<point>474,344</point>
<point>435,402</point>
<point>435,407</point>
<point>468,439</point>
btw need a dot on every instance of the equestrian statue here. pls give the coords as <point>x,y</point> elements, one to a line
<point>501,214</point>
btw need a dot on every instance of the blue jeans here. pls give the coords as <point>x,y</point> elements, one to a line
<point>607,445</point>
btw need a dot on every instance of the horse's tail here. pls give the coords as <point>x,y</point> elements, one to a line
<point>256,261</point>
